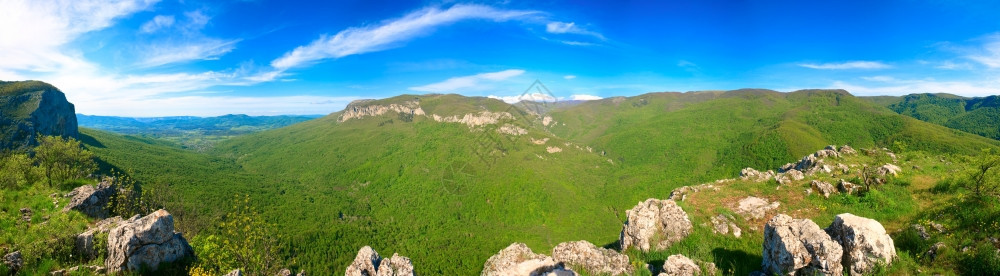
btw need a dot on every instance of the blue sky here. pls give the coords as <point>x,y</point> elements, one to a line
<point>168,57</point>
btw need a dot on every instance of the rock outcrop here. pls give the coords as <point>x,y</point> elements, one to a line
<point>864,241</point>
<point>848,150</point>
<point>474,120</point>
<point>751,174</point>
<point>369,263</point>
<point>85,242</point>
<point>14,261</point>
<point>29,108</point>
<point>510,129</point>
<point>753,207</point>
<point>583,254</point>
<point>725,224</point>
<point>846,187</point>
<point>799,247</point>
<point>518,259</point>
<point>824,189</point>
<point>146,241</point>
<point>363,108</point>
<point>679,265</point>
<point>888,169</point>
<point>681,193</point>
<point>92,200</point>
<point>654,225</point>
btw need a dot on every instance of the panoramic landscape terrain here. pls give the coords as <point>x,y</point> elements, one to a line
<point>180,138</point>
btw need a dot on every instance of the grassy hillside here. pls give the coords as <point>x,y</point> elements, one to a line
<point>449,196</point>
<point>974,115</point>
<point>678,138</point>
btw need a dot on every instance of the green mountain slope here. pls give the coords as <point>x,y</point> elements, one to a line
<point>979,115</point>
<point>700,136</point>
<point>449,180</point>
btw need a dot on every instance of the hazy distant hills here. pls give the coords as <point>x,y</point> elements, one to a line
<point>29,108</point>
<point>221,125</point>
<point>979,115</point>
<point>197,133</point>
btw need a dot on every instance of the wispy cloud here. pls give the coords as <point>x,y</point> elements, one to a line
<point>466,82</point>
<point>543,97</point>
<point>195,49</point>
<point>158,22</point>
<point>49,25</point>
<point>569,77</point>
<point>884,85</point>
<point>988,54</point>
<point>185,43</point>
<point>557,27</point>
<point>847,65</point>
<point>391,33</point>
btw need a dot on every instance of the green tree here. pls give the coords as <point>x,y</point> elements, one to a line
<point>17,170</point>
<point>242,239</point>
<point>984,180</point>
<point>62,159</point>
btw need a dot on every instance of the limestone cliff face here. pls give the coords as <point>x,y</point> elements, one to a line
<point>362,108</point>
<point>29,108</point>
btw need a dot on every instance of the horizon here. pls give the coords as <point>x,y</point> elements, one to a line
<point>152,58</point>
<point>521,99</point>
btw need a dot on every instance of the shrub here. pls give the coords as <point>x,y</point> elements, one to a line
<point>17,170</point>
<point>63,159</point>
<point>242,239</point>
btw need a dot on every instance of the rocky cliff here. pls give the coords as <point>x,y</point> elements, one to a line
<point>29,108</point>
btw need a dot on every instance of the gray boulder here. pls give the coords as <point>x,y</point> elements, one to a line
<point>84,245</point>
<point>148,241</point>
<point>724,224</point>
<point>848,150</point>
<point>799,247</point>
<point>235,272</point>
<point>679,265</point>
<point>583,254</point>
<point>846,187</point>
<point>369,263</point>
<point>753,207</point>
<point>91,200</point>
<point>14,261</point>
<point>654,225</point>
<point>865,243</point>
<point>753,175</point>
<point>823,188</point>
<point>518,259</point>
<point>888,169</point>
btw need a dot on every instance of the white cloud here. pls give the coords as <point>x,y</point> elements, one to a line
<point>582,97</point>
<point>569,77</point>
<point>557,27</point>
<point>466,82</point>
<point>989,53</point>
<point>951,65</point>
<point>534,97</point>
<point>33,33</point>
<point>193,49</point>
<point>186,43</point>
<point>896,87</point>
<point>158,22</point>
<point>390,33</point>
<point>847,65</point>
<point>879,78</point>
